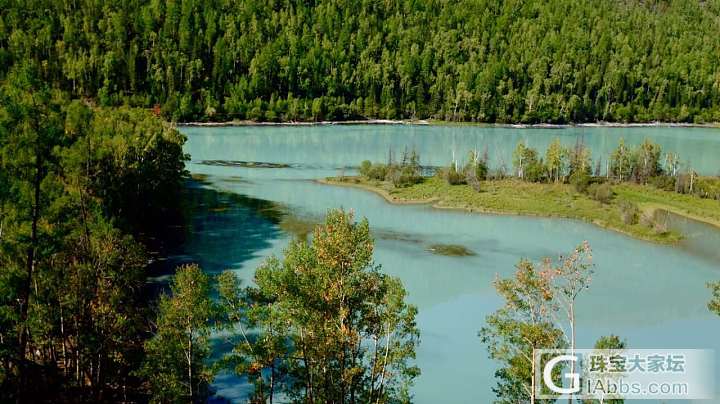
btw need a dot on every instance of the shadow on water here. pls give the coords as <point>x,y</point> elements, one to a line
<point>219,230</point>
<point>246,164</point>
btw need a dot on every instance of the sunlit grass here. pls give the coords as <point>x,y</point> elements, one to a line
<point>512,196</point>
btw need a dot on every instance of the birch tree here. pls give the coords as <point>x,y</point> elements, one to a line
<point>555,159</point>
<point>175,366</point>
<point>514,332</point>
<point>351,332</point>
<point>567,279</point>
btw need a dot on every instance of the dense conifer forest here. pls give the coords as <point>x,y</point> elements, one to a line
<point>470,60</point>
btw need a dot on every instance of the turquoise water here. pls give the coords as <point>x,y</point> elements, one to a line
<point>335,146</point>
<point>654,296</point>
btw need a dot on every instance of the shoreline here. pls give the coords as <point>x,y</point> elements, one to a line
<point>433,202</point>
<point>436,203</point>
<point>653,207</point>
<point>426,122</point>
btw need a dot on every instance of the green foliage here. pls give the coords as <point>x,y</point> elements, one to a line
<point>377,171</point>
<point>535,61</point>
<point>664,182</point>
<point>261,356</point>
<point>527,164</point>
<point>175,364</point>
<point>407,172</point>
<point>75,184</point>
<point>403,174</point>
<point>522,325</point>
<point>452,175</point>
<point>602,192</point>
<point>707,187</point>
<point>580,180</point>
<point>556,161</point>
<point>529,319</point>
<point>139,165</point>
<point>365,168</point>
<point>579,161</point>
<point>622,162</point>
<point>648,161</point>
<point>714,304</point>
<point>476,169</point>
<point>629,212</point>
<point>347,325</point>
<point>610,342</point>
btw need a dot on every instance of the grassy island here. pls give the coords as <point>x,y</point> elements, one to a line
<point>513,196</point>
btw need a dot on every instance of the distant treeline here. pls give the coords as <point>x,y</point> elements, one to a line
<point>469,60</point>
<point>642,164</point>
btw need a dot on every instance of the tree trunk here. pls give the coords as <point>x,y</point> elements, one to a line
<point>190,371</point>
<point>692,178</point>
<point>308,374</point>
<point>30,266</point>
<point>272,381</point>
<point>572,343</point>
<point>532,381</point>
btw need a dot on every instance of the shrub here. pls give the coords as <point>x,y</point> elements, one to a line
<point>365,168</point>
<point>476,168</point>
<point>704,187</point>
<point>472,180</point>
<point>629,212</point>
<point>404,176</point>
<point>651,221</point>
<point>527,164</point>
<point>373,171</point>
<point>664,182</point>
<point>534,172</point>
<point>481,170</point>
<point>407,173</point>
<point>602,193</point>
<point>707,187</point>
<point>580,181</point>
<point>453,176</point>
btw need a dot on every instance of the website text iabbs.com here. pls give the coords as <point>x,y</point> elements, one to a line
<point>612,387</point>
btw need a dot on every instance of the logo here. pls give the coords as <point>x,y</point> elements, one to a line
<point>636,374</point>
<point>574,377</point>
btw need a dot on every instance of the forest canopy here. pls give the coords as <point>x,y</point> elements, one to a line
<point>469,60</point>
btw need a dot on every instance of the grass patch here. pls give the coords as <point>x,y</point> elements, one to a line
<point>512,196</point>
<point>651,199</point>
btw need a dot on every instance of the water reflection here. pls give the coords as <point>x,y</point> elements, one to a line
<point>334,147</point>
<point>700,239</point>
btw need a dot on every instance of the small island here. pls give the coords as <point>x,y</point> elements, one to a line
<point>562,185</point>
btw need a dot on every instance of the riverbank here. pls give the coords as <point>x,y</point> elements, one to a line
<point>453,123</point>
<point>304,123</point>
<point>514,197</point>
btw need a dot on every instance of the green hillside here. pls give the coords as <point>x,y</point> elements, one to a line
<point>470,60</point>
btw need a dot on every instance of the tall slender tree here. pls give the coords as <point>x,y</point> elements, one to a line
<point>176,365</point>
<point>517,330</point>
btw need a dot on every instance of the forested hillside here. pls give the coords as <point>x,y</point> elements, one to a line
<point>471,60</point>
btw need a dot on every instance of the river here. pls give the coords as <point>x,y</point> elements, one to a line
<point>653,296</point>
